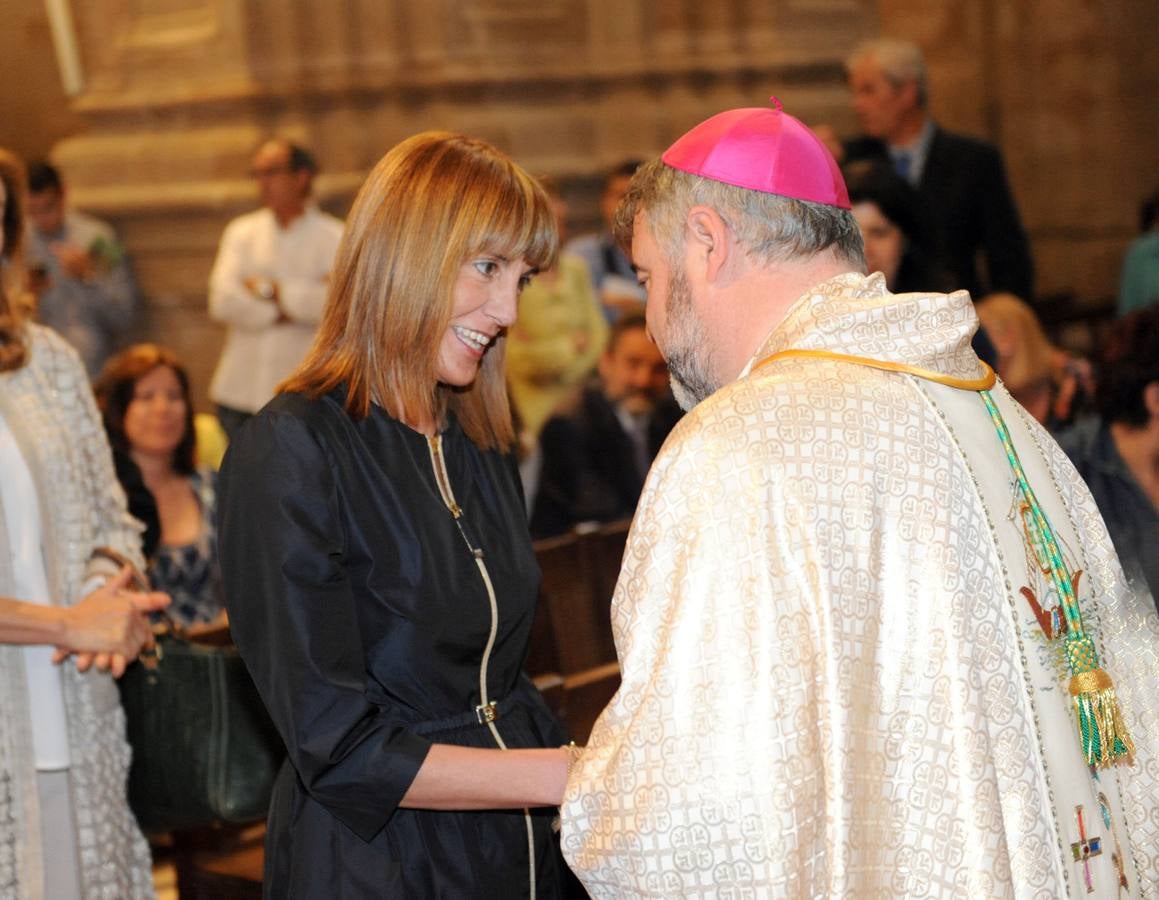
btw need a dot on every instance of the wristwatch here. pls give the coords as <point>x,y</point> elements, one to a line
<point>265,288</point>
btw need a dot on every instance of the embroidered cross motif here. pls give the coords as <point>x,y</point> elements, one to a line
<point>1085,848</point>
<point>1117,855</point>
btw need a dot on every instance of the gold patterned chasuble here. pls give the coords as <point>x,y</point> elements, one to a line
<point>833,682</point>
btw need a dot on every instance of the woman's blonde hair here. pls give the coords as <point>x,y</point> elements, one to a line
<point>1025,354</point>
<point>430,204</point>
<point>13,351</point>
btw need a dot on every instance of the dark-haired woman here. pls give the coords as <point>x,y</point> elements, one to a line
<point>143,394</point>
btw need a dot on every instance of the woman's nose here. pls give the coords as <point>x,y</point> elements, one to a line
<point>505,303</point>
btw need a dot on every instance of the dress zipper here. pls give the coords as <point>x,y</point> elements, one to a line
<point>442,479</point>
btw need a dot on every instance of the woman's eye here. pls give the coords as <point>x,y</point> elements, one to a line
<point>486,267</point>
<point>524,281</point>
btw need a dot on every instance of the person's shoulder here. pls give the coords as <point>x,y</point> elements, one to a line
<point>248,222</point>
<point>759,404</point>
<point>329,221</point>
<point>47,347</point>
<point>203,475</point>
<point>318,221</point>
<point>963,145</point>
<point>204,481</point>
<point>572,267</point>
<point>1145,245</point>
<point>717,427</point>
<point>574,412</point>
<point>667,412</point>
<point>315,412</point>
<point>291,425</point>
<point>583,245</point>
<point>85,227</point>
<point>51,363</point>
<point>862,148</point>
<point>1080,440</point>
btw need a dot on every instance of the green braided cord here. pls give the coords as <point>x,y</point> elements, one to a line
<point>1080,649</point>
<point>1088,732</point>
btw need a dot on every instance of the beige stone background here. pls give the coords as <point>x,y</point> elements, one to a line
<point>175,94</point>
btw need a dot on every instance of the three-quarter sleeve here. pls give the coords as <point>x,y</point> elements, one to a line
<point>294,615</point>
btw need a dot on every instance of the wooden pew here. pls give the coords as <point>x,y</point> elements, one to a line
<point>573,625</point>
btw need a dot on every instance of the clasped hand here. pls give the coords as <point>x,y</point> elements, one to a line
<point>110,626</point>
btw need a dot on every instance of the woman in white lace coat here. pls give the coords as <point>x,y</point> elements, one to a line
<point>65,826</point>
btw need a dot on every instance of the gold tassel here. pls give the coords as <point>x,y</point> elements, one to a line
<point>1100,721</point>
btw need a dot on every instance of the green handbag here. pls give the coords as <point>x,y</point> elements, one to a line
<point>204,748</point>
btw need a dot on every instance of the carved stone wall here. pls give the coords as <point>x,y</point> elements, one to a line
<point>34,111</point>
<point>177,93</point>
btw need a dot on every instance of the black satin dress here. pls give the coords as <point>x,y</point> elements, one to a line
<point>363,617</point>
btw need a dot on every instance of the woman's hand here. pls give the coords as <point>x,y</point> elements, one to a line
<point>110,626</point>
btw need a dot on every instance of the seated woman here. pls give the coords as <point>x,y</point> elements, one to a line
<point>1052,385</point>
<point>143,394</point>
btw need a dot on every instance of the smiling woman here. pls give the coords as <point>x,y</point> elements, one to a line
<point>485,296</point>
<point>143,395</point>
<point>379,575</point>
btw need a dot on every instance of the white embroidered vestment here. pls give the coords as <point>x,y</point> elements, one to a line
<point>833,684</point>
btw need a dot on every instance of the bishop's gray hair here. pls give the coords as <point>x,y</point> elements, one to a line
<point>770,227</point>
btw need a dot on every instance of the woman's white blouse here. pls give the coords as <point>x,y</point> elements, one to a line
<point>21,506</point>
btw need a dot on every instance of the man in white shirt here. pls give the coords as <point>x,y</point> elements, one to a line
<point>269,282</point>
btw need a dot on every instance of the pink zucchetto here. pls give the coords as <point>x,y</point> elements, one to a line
<point>763,150</point>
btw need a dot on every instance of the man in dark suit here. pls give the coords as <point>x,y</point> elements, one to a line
<point>597,450</point>
<point>962,180</point>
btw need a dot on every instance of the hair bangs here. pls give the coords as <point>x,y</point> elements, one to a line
<point>516,222</point>
<point>431,204</point>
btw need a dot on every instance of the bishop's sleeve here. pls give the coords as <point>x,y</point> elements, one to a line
<point>682,786</point>
<point>293,613</point>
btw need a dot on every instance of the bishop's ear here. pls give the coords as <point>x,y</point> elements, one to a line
<point>708,240</point>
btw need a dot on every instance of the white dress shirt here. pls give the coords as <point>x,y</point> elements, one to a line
<point>259,350</point>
